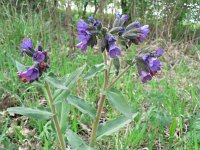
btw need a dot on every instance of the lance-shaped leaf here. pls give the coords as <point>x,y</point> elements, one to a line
<point>69,82</point>
<point>55,82</point>
<point>63,110</point>
<point>76,142</point>
<point>81,105</point>
<point>20,67</point>
<point>112,126</point>
<point>118,101</point>
<point>94,70</point>
<point>32,113</point>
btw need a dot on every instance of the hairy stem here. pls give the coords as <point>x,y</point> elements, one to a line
<point>55,117</point>
<point>100,103</point>
<point>109,67</point>
<point>119,76</point>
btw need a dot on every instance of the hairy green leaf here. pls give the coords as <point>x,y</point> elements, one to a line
<point>68,82</point>
<point>76,142</point>
<point>118,101</point>
<point>29,112</point>
<point>112,126</point>
<point>55,82</point>
<point>94,70</point>
<point>81,105</point>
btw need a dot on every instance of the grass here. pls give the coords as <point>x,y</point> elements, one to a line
<point>168,106</point>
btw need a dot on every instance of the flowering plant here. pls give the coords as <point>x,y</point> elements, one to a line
<point>148,64</point>
<point>111,41</point>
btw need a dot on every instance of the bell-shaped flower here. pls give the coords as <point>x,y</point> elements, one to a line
<point>30,75</point>
<point>148,64</point>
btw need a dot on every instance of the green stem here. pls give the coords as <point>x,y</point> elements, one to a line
<point>102,96</point>
<point>109,67</point>
<point>119,76</point>
<point>100,103</point>
<point>55,117</point>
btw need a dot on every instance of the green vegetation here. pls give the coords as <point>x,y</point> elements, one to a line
<point>168,106</point>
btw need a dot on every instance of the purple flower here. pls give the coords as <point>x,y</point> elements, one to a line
<point>29,75</point>
<point>27,47</point>
<point>148,64</point>
<point>145,76</point>
<point>91,19</point>
<point>108,43</point>
<point>159,52</point>
<point>38,56</point>
<point>86,35</point>
<point>114,51</point>
<point>154,64</point>
<point>111,40</point>
<point>27,44</point>
<point>144,30</point>
<point>82,26</point>
<point>82,46</point>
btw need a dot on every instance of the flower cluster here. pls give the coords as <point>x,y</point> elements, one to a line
<point>39,56</point>
<point>134,33</point>
<point>148,64</point>
<point>87,33</point>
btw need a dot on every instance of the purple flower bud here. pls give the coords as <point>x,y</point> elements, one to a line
<point>97,23</point>
<point>111,40</point>
<point>27,44</point>
<point>38,56</point>
<point>122,29</point>
<point>117,15</point>
<point>135,33</point>
<point>114,51</point>
<point>145,57</point>
<point>137,24</point>
<point>29,75</point>
<point>124,17</point>
<point>91,19</point>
